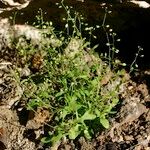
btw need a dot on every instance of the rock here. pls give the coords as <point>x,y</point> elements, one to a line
<point>10,90</point>
<point>10,5</point>
<point>12,134</point>
<point>22,33</point>
<point>38,119</point>
<point>141,4</point>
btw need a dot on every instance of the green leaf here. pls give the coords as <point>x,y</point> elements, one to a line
<point>59,94</point>
<point>87,93</point>
<point>56,138</point>
<point>46,140</point>
<point>97,112</point>
<point>113,112</point>
<point>88,116</point>
<point>87,135</point>
<point>63,113</point>
<point>83,77</point>
<point>74,132</point>
<point>104,122</point>
<point>44,94</point>
<point>33,103</point>
<point>94,82</point>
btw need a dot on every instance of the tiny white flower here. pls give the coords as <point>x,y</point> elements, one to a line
<point>97,26</point>
<point>103,4</point>
<point>107,44</point>
<point>124,64</point>
<point>50,23</point>
<point>94,37</point>
<point>113,48</point>
<point>107,26</point>
<point>110,30</point>
<point>105,54</point>
<point>117,61</point>
<point>66,26</point>
<point>86,29</point>
<point>44,26</point>
<point>114,34</point>
<point>118,40</point>
<point>117,51</point>
<point>136,65</point>
<point>136,54</point>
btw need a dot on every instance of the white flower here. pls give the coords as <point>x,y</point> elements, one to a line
<point>107,26</point>
<point>107,44</point>
<point>66,25</point>
<point>118,40</point>
<point>117,51</point>
<point>110,30</point>
<point>97,26</point>
<point>124,64</point>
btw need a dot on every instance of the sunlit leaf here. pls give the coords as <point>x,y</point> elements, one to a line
<point>104,122</point>
<point>59,93</point>
<point>44,94</point>
<point>56,139</point>
<point>74,132</point>
<point>46,140</point>
<point>86,134</point>
<point>88,116</point>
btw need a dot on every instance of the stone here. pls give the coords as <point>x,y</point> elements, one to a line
<point>11,4</point>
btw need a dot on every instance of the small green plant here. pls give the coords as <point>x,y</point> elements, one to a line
<point>111,39</point>
<point>134,65</point>
<point>74,84</point>
<point>75,89</point>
